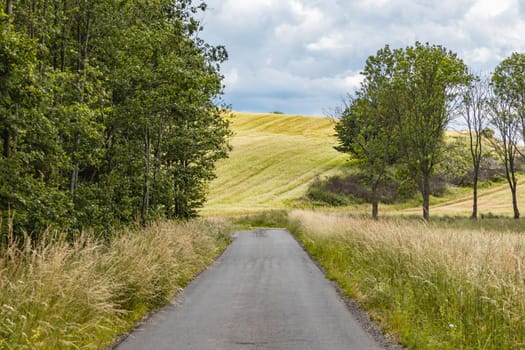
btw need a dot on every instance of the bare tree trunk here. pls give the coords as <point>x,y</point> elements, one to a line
<point>375,200</point>
<point>74,180</point>
<point>7,146</point>
<point>177,209</point>
<point>510,173</point>
<point>9,7</point>
<point>145,197</point>
<point>43,36</point>
<point>475,196</point>
<point>426,197</point>
<point>375,208</point>
<point>513,185</point>
<point>65,34</point>
<point>477,161</point>
<point>515,203</point>
<point>157,162</point>
<point>74,174</point>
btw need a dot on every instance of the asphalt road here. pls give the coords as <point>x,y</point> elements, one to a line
<point>263,293</point>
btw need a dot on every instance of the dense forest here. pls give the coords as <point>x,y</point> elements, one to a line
<point>110,112</point>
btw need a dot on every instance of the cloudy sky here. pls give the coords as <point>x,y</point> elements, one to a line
<point>304,56</point>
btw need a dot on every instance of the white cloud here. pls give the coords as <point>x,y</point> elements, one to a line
<point>481,55</point>
<point>489,8</point>
<point>331,42</point>
<point>231,77</point>
<point>302,56</point>
<point>352,81</point>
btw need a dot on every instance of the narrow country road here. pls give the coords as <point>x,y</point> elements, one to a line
<point>263,293</point>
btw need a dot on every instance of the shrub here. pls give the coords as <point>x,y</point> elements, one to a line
<point>350,189</point>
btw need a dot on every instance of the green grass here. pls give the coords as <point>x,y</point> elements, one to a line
<point>274,158</point>
<point>430,287</point>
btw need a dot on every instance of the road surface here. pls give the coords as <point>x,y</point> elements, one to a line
<point>263,293</point>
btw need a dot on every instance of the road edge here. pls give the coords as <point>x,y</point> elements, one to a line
<point>387,341</point>
<point>119,338</point>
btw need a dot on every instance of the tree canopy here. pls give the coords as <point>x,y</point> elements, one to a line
<point>110,112</point>
<point>405,102</point>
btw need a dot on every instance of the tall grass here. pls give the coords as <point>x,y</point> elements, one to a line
<point>56,294</point>
<point>434,288</point>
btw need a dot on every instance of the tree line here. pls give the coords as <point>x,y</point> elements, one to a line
<point>109,113</point>
<point>396,121</point>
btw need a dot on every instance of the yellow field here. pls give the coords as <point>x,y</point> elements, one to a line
<point>497,200</point>
<point>274,158</point>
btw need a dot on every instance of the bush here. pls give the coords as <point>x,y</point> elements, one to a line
<point>351,189</point>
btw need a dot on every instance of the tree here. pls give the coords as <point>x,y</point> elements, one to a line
<point>367,128</point>
<point>505,141</point>
<point>475,112</point>
<point>426,80</point>
<point>508,81</point>
<point>29,180</point>
<point>108,112</point>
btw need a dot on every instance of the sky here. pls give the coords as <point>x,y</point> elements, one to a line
<point>304,56</point>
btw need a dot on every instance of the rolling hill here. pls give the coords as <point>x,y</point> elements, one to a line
<point>276,156</point>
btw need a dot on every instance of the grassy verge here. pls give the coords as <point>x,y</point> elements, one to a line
<point>432,287</point>
<point>60,295</point>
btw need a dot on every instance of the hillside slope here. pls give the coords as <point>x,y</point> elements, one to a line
<point>493,201</point>
<point>274,158</point>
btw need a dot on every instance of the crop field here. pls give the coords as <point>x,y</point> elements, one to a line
<point>493,201</point>
<point>274,158</point>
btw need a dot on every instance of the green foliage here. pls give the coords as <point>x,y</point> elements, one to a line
<point>508,81</point>
<point>508,116</point>
<point>367,127</point>
<point>401,111</point>
<point>426,91</point>
<point>107,113</point>
<point>455,164</point>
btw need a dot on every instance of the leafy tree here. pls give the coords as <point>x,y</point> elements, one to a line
<point>506,139</point>
<point>107,112</point>
<point>367,128</point>
<point>508,81</point>
<point>426,80</point>
<point>29,183</point>
<point>406,101</point>
<point>475,112</point>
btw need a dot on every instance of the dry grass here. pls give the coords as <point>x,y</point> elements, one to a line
<point>60,295</point>
<point>435,288</point>
<point>274,158</point>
